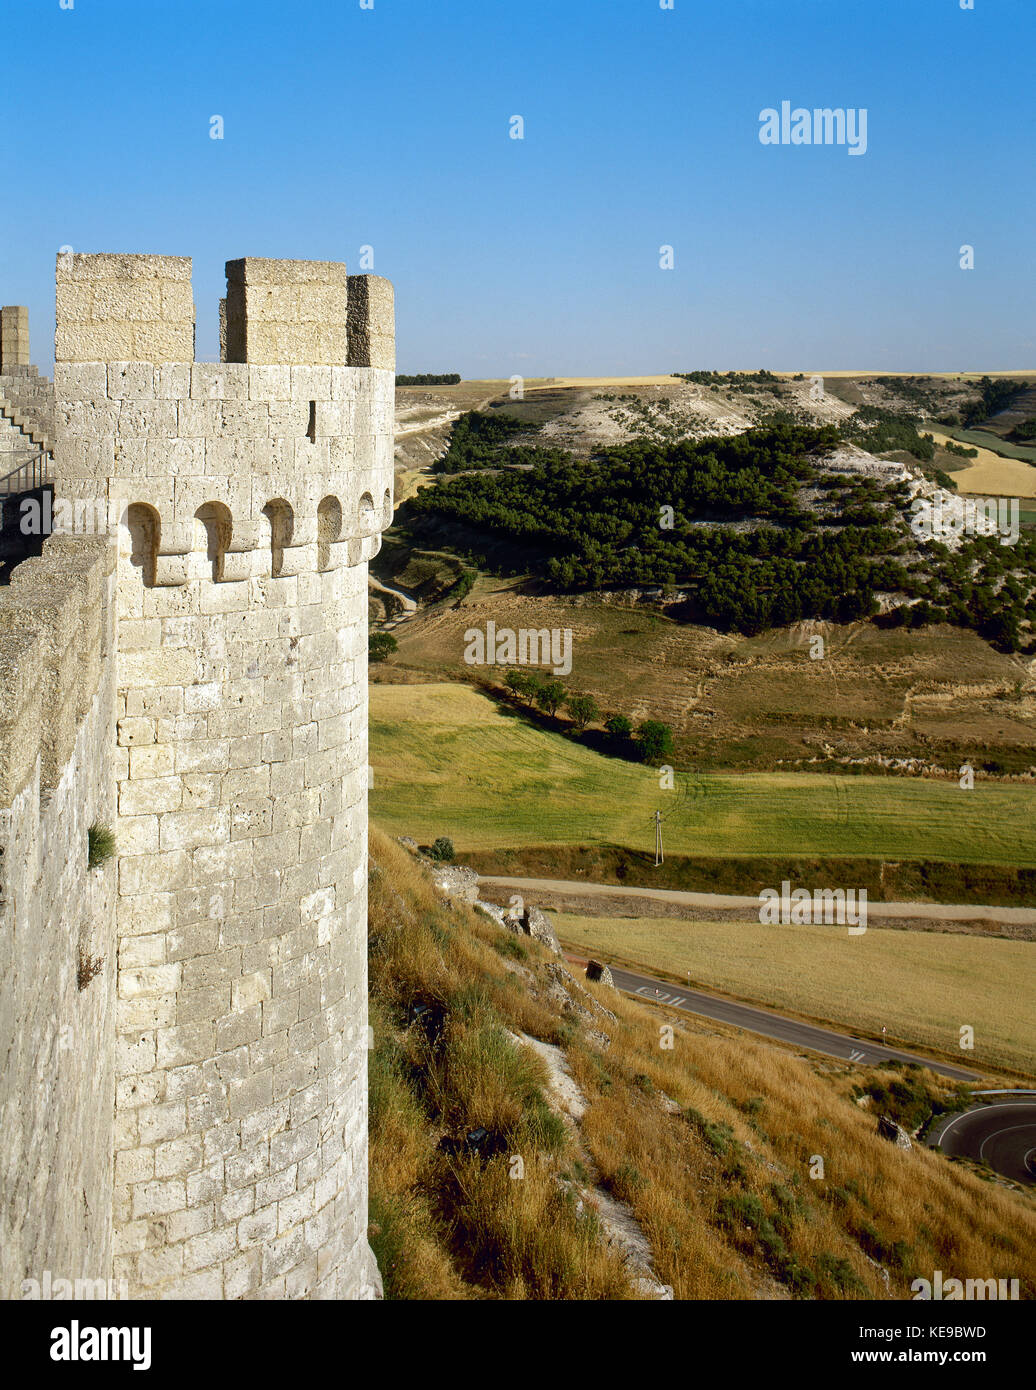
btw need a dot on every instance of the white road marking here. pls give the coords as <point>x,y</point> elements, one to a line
<point>998,1132</point>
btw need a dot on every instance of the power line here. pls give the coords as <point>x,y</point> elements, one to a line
<point>659,856</point>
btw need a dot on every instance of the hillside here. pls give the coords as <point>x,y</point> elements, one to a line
<point>711,623</point>
<point>936,694</point>
<point>449,759</point>
<point>642,1165</point>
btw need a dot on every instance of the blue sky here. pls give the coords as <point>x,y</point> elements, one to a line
<point>389,127</point>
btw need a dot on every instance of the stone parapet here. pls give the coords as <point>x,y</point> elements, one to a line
<point>55,629</point>
<point>58,960</point>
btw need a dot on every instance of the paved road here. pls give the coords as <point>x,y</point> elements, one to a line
<point>945,912</point>
<point>770,1025</point>
<point>1000,1131</point>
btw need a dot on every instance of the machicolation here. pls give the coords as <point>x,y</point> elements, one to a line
<point>183,660</point>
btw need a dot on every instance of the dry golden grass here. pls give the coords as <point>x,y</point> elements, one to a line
<point>448,1226</point>
<point>914,1212</point>
<point>991,474</point>
<point>722,1189</point>
<point>921,985</point>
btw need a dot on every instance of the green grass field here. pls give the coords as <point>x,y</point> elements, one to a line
<point>448,761</point>
<point>921,985</point>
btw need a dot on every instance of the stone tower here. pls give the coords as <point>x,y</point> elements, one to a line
<point>247,497</point>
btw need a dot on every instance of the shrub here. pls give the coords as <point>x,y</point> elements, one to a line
<point>655,740</point>
<point>626,1181</point>
<point>717,1137</point>
<point>463,586</point>
<point>837,1274</point>
<point>380,645</point>
<point>741,1209</point>
<point>442,850</point>
<point>100,845</point>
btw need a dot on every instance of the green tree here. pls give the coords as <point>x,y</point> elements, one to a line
<point>619,726</point>
<point>549,695</point>
<point>583,709</point>
<point>380,645</point>
<point>655,740</point>
<point>517,683</point>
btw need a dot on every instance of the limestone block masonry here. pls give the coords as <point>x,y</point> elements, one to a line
<point>243,500</point>
<point>57,1046</point>
<point>14,337</point>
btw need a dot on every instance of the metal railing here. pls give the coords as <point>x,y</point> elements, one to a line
<point>34,472</point>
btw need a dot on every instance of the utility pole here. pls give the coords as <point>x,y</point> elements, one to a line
<point>659,856</point>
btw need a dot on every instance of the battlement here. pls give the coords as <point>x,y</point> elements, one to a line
<point>14,337</point>
<point>55,631</point>
<point>289,312</point>
<point>291,436</point>
<point>140,308</point>
<point>133,308</point>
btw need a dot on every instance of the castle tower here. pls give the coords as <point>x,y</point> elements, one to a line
<point>247,497</point>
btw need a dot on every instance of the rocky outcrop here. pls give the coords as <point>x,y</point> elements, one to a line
<point>619,1226</point>
<point>456,882</point>
<point>895,1134</point>
<point>539,928</point>
<point>530,921</point>
<point>562,991</point>
<point>599,972</point>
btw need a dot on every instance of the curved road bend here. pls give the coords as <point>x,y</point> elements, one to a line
<point>1001,1131</point>
<point>936,912</point>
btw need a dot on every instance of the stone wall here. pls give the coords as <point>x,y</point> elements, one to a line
<point>133,308</point>
<point>28,398</point>
<point>57,1055</point>
<point>14,337</point>
<point>247,498</point>
<point>292,313</point>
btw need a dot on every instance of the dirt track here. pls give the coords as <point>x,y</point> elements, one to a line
<point>721,904</point>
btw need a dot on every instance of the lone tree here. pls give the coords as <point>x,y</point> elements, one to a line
<point>583,709</point>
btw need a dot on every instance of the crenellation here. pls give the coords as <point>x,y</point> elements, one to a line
<point>372,333</point>
<point>14,337</point>
<point>131,309</point>
<point>292,312</point>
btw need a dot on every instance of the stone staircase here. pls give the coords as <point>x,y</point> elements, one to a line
<point>27,403</point>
